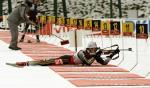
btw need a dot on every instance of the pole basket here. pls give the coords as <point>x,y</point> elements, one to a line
<point>64,42</point>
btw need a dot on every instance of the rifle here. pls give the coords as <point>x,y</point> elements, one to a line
<point>114,51</point>
<point>117,47</point>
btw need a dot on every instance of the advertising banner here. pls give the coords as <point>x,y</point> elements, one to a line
<point>96,25</point>
<point>105,27</point>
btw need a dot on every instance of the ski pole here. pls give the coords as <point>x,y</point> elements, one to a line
<point>63,42</point>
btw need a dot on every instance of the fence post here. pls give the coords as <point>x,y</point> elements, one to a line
<point>111,9</point>
<point>64,8</point>
<point>55,8</point>
<point>120,10</point>
<point>1,7</point>
<point>9,6</point>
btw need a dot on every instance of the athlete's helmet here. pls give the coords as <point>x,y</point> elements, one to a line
<point>92,48</point>
<point>92,45</point>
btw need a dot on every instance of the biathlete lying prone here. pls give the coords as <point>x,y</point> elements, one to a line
<point>84,57</point>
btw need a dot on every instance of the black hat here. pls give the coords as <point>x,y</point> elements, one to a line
<point>29,2</point>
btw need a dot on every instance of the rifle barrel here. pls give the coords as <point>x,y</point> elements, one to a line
<point>129,49</point>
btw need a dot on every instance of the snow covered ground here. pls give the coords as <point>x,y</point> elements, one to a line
<point>43,77</point>
<point>28,77</point>
<point>136,61</point>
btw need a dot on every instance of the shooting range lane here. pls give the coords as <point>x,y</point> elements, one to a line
<point>81,76</point>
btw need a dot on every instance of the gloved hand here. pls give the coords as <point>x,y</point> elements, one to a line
<point>99,51</point>
<point>1,18</point>
<point>117,50</point>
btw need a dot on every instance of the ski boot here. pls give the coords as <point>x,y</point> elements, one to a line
<point>37,38</point>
